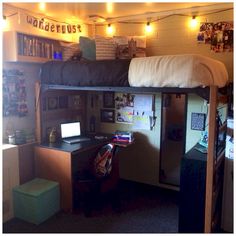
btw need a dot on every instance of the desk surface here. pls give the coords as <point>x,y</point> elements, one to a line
<point>77,147</point>
<point>195,154</point>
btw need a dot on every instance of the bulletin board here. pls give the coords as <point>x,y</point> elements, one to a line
<point>135,109</point>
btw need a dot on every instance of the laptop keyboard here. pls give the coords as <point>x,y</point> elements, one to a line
<point>77,140</point>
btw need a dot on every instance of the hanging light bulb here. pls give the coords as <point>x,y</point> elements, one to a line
<point>4,22</point>
<point>148,27</point>
<point>109,29</point>
<point>193,22</point>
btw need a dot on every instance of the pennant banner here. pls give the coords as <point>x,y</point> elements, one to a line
<point>54,28</point>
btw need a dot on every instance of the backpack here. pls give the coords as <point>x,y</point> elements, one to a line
<point>103,161</point>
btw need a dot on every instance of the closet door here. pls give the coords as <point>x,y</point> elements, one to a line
<point>173,128</point>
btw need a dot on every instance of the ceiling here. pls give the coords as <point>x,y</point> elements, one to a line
<point>84,10</point>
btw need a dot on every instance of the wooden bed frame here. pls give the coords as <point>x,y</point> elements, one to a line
<point>208,93</point>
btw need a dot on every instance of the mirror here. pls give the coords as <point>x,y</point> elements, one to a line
<point>172,137</point>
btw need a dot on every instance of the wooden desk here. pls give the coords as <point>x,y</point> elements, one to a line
<point>60,161</point>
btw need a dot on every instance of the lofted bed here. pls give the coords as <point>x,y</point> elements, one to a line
<point>159,74</point>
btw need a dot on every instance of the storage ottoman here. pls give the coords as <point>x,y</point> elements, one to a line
<point>36,200</point>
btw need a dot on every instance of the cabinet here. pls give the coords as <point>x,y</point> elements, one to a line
<point>21,47</point>
<point>228,197</point>
<point>60,162</point>
<point>193,192</point>
<point>10,178</point>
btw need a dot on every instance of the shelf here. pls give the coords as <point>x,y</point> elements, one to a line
<point>31,59</point>
<point>22,47</point>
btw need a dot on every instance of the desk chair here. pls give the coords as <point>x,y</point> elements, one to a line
<point>99,184</point>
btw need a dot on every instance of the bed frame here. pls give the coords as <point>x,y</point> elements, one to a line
<point>213,162</point>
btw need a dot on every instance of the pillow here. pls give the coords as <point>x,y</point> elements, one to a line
<point>70,50</point>
<point>105,48</point>
<point>88,48</point>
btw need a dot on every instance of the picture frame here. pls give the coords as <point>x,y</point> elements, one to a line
<point>108,99</point>
<point>107,115</point>
<point>198,121</point>
<point>52,103</point>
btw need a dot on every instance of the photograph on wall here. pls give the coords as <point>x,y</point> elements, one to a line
<point>218,35</point>
<point>107,115</point>
<point>124,108</point>
<point>205,33</point>
<point>124,100</point>
<point>52,103</point>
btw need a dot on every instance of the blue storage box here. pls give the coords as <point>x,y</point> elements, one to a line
<point>36,200</point>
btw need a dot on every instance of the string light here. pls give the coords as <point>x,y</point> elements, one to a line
<point>193,23</point>
<point>109,29</point>
<point>4,22</point>
<point>148,27</point>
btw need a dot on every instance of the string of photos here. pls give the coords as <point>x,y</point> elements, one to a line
<point>218,35</point>
<point>14,93</point>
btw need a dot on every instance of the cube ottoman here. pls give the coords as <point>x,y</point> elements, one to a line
<point>36,200</point>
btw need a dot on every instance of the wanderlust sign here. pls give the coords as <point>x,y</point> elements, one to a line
<point>54,28</point>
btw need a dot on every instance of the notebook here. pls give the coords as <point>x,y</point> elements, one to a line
<point>70,133</point>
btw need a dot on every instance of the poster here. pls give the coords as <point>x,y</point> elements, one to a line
<point>218,35</point>
<point>136,109</point>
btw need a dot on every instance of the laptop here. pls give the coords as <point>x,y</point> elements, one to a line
<point>70,133</point>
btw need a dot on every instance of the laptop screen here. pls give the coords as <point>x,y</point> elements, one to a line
<point>70,129</point>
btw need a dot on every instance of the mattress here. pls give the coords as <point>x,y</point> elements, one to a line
<point>86,73</point>
<point>183,71</point>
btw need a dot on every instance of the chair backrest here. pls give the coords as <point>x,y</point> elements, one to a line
<point>103,161</point>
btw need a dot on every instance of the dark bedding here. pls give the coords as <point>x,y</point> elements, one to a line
<point>86,73</point>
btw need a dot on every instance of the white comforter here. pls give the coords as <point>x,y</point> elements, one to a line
<point>188,71</point>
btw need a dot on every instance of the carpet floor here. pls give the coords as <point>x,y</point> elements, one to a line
<point>144,209</point>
